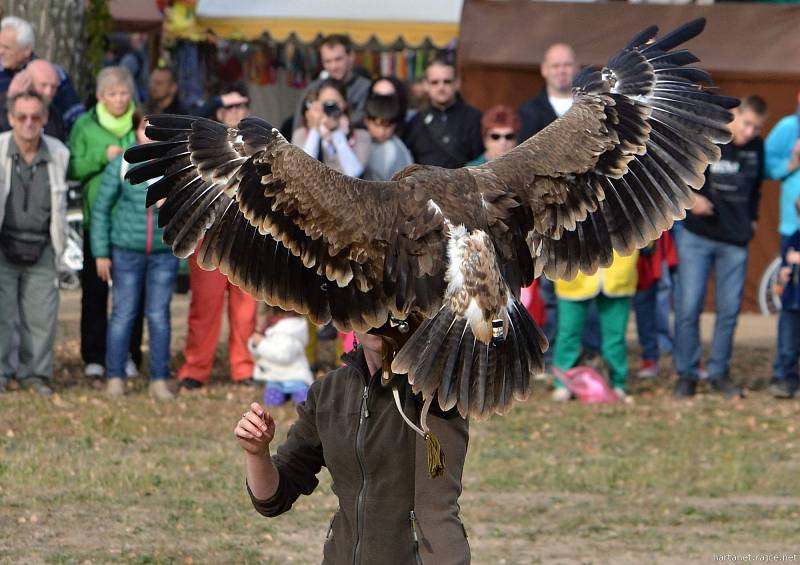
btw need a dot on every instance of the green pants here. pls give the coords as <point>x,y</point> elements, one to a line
<point>613,314</point>
<point>31,291</point>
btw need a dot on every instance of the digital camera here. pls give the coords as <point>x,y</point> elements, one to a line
<point>331,109</point>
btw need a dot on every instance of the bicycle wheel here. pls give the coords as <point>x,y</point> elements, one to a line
<point>769,289</point>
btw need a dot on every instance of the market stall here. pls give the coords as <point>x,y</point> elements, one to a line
<point>272,44</point>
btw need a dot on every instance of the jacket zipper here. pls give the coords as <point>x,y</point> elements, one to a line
<point>330,525</point>
<point>363,415</point>
<point>415,535</point>
<point>149,245</point>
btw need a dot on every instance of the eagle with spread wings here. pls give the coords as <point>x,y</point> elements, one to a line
<point>449,247</point>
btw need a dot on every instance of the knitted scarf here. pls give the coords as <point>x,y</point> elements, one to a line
<point>119,126</point>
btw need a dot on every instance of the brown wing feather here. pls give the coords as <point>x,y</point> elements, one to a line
<point>618,168</point>
<point>282,225</point>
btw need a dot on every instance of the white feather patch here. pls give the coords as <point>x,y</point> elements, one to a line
<point>455,255</point>
<point>435,207</point>
<point>473,314</point>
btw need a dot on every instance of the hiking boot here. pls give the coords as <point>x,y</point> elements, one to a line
<point>649,369</point>
<point>724,386</point>
<point>37,385</point>
<point>94,370</point>
<point>158,389</point>
<point>783,389</point>
<point>561,395</point>
<point>685,387</point>
<point>115,387</point>
<point>188,384</point>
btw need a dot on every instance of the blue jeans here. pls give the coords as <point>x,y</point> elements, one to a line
<point>652,307</point>
<point>664,299</point>
<point>644,304</point>
<point>777,366</point>
<point>789,345</point>
<point>130,272</point>
<point>698,255</point>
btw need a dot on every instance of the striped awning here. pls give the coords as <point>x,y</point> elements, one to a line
<point>412,22</point>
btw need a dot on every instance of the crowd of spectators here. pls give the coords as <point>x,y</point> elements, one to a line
<point>364,129</point>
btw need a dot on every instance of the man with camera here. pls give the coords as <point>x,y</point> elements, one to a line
<point>33,208</point>
<point>336,55</point>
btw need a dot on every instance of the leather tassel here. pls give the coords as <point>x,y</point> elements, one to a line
<point>436,461</point>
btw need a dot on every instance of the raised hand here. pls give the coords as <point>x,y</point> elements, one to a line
<point>255,430</point>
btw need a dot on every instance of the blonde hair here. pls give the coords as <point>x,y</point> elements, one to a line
<point>114,76</point>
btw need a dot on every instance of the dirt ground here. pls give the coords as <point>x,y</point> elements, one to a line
<point>86,480</point>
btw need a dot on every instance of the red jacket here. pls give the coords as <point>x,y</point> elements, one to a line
<point>651,257</point>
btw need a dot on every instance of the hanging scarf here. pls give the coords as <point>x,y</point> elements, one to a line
<point>119,126</point>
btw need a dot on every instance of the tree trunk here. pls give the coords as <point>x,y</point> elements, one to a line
<point>59,29</point>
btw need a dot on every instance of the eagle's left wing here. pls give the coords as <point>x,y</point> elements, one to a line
<point>618,168</point>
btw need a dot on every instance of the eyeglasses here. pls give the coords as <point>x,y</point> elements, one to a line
<point>33,118</point>
<point>446,81</point>
<point>506,136</point>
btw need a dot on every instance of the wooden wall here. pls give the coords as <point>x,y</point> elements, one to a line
<point>485,86</point>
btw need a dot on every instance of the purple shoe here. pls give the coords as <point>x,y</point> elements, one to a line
<point>273,397</point>
<point>299,396</point>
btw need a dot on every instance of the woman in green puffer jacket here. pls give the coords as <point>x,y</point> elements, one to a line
<point>128,248</point>
<point>100,135</point>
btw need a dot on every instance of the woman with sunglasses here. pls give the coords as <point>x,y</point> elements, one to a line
<point>500,126</point>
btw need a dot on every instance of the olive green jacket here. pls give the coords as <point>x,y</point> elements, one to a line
<point>390,511</point>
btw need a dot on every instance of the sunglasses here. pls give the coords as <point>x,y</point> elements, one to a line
<point>34,118</point>
<point>506,136</point>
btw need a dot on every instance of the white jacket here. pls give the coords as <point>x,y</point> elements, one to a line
<point>281,355</point>
<point>57,173</point>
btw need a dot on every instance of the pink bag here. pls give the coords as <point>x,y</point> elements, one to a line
<point>586,384</point>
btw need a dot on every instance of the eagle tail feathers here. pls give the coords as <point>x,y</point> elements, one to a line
<point>444,359</point>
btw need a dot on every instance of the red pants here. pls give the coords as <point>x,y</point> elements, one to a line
<point>205,322</point>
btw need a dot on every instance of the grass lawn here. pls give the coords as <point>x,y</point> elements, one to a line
<point>87,480</point>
